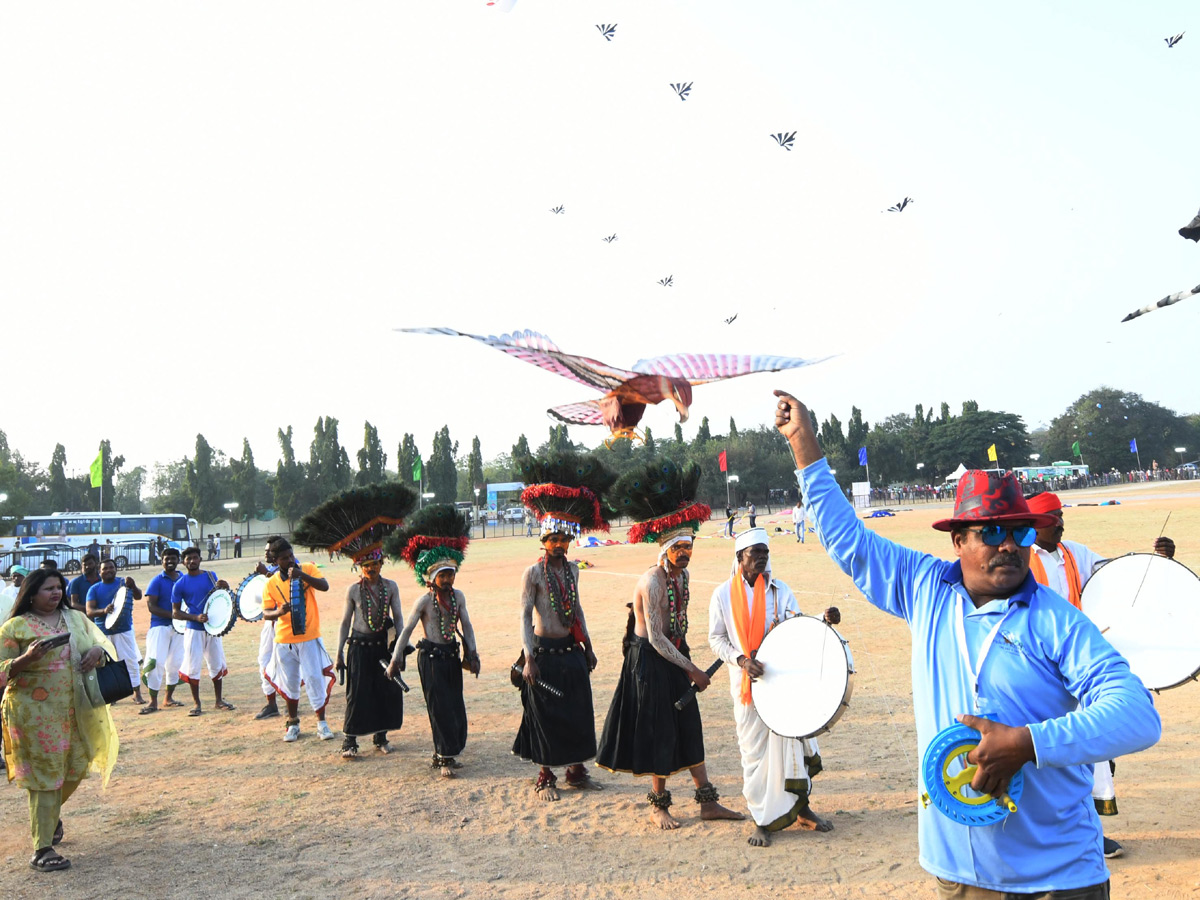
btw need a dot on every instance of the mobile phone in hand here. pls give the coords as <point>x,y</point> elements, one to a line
<point>56,640</point>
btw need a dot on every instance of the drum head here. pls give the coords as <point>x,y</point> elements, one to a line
<point>219,607</point>
<point>1156,631</point>
<point>808,679</point>
<point>250,597</point>
<point>118,604</point>
<point>180,625</point>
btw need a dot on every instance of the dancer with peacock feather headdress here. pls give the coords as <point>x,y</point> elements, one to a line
<point>644,734</point>
<point>565,492</point>
<point>433,541</point>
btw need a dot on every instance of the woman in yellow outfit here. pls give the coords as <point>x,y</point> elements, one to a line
<point>53,734</point>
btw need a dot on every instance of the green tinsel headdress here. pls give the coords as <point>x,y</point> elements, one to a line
<point>564,491</point>
<point>660,497</point>
<point>355,522</point>
<point>433,538</point>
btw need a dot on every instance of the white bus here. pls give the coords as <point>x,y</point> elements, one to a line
<point>82,528</point>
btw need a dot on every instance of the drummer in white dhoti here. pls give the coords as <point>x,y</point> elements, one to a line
<point>187,604</point>
<point>266,638</point>
<point>100,605</point>
<point>164,645</point>
<point>1065,567</point>
<point>776,771</point>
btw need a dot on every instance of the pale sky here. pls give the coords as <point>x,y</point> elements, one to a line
<point>218,212</point>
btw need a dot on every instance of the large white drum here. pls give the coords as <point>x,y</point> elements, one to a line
<point>118,606</point>
<point>808,678</point>
<point>1148,607</point>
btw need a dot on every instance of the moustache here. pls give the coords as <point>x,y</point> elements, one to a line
<point>1005,559</point>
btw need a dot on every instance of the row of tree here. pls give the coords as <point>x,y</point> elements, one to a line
<point>902,449</point>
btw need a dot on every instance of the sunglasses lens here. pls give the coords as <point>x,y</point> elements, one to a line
<point>1024,535</point>
<point>993,535</point>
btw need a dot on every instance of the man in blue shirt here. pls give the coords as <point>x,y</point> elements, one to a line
<point>187,602</point>
<point>78,589</point>
<point>164,645</point>
<point>1000,653</point>
<point>99,603</point>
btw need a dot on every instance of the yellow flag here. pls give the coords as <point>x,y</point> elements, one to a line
<point>991,454</point>
<point>98,470</point>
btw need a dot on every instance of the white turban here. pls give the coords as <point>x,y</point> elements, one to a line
<point>750,537</point>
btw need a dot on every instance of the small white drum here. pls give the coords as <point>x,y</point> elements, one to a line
<point>808,678</point>
<point>180,625</point>
<point>120,598</point>
<point>250,597</point>
<point>221,610</point>
<point>1148,607</point>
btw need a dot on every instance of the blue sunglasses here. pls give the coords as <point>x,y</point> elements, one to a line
<point>995,535</point>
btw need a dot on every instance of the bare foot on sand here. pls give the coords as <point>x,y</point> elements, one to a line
<point>810,821</point>
<point>714,810</point>
<point>663,819</point>
<point>760,838</point>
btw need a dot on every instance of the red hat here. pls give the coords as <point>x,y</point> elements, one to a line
<point>983,497</point>
<point>1045,502</point>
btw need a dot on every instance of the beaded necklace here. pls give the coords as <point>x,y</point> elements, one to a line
<point>564,600</point>
<point>368,601</point>
<point>677,603</point>
<point>447,632</point>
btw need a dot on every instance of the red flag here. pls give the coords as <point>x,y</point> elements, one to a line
<point>721,460</point>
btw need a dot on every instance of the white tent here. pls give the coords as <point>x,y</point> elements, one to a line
<point>957,473</point>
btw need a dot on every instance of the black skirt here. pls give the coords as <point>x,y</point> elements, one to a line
<point>374,702</point>
<point>644,734</point>
<point>442,684</point>
<point>558,732</point>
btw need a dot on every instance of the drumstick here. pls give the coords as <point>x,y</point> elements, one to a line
<point>396,678</point>
<point>690,694</point>
<point>1147,572</point>
<point>548,688</point>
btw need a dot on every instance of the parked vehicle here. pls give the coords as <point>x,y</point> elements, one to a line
<point>31,555</point>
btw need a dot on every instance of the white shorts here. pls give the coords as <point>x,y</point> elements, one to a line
<point>266,652</point>
<point>164,645</point>
<point>199,644</point>
<point>127,652</point>
<point>306,665</point>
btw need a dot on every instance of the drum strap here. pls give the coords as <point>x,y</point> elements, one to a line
<point>750,623</point>
<point>961,633</point>
<point>1074,582</point>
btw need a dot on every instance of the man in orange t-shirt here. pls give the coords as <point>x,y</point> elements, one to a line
<point>300,660</point>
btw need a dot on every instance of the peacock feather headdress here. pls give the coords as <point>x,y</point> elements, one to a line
<point>433,538</point>
<point>357,521</point>
<point>565,490</point>
<point>660,496</point>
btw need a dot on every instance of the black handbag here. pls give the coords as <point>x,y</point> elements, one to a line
<point>113,680</point>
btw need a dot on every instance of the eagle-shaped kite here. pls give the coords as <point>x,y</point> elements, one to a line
<point>627,391</point>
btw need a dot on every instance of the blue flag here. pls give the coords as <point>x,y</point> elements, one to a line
<point>862,456</point>
<point>1133,446</point>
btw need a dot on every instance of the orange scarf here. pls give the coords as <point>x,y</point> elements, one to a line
<point>1074,584</point>
<point>750,623</point>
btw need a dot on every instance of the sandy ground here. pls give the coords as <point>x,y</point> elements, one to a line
<point>220,806</point>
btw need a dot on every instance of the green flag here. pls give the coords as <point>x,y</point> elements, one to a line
<point>417,469</point>
<point>1075,449</point>
<point>98,470</point>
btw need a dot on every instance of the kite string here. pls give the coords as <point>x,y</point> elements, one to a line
<point>1148,562</point>
<point>887,705</point>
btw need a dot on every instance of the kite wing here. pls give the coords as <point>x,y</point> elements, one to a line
<point>585,413</point>
<point>544,353</point>
<point>702,368</point>
<point>1191,230</point>
<point>1165,301</point>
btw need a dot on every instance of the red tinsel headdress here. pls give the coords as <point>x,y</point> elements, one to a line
<point>564,492</point>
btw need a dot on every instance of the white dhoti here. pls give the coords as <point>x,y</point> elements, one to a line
<point>197,645</point>
<point>127,652</point>
<point>266,652</point>
<point>1104,791</point>
<point>302,665</point>
<point>164,647</point>
<point>775,779</point>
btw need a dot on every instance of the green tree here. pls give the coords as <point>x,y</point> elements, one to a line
<point>372,461</point>
<point>60,497</point>
<point>128,494</point>
<point>733,432</point>
<point>441,473</point>
<point>521,448</point>
<point>169,494</point>
<point>328,463</point>
<point>648,446</point>
<point>406,457</point>
<point>678,433</point>
<point>1105,420</point>
<point>703,434</point>
<point>475,467</point>
<point>290,500</point>
<point>966,439</point>
<point>207,504</point>
<point>244,476</point>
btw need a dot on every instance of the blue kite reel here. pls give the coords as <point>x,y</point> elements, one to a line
<point>948,792</point>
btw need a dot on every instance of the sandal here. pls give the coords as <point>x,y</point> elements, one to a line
<point>147,710</point>
<point>195,711</point>
<point>224,704</point>
<point>47,860</point>
<point>172,702</point>
<point>58,834</point>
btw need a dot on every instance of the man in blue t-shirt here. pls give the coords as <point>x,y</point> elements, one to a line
<point>187,603</point>
<point>100,602</point>
<point>80,585</point>
<point>164,645</point>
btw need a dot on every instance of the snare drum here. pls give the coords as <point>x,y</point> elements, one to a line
<point>120,598</point>
<point>808,678</point>
<point>221,610</point>
<point>249,596</point>
<point>1148,607</point>
<point>180,625</point>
